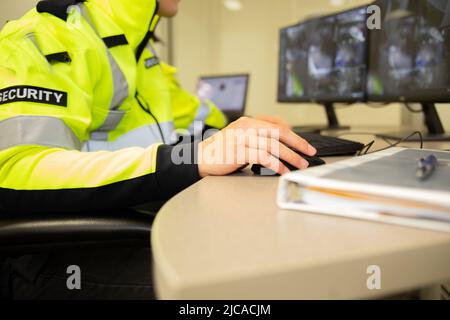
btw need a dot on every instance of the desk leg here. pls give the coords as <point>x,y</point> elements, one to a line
<point>431,293</point>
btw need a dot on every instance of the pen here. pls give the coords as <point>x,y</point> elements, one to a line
<point>426,167</point>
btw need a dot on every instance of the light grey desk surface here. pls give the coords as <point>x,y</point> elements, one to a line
<point>225,238</point>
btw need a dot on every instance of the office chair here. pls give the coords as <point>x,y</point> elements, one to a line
<point>58,234</point>
<point>49,233</point>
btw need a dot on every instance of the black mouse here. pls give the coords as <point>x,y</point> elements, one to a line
<point>313,162</point>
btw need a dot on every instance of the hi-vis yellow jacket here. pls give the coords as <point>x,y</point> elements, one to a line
<point>88,112</point>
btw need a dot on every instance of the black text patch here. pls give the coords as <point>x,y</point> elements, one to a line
<point>33,94</point>
<point>151,62</point>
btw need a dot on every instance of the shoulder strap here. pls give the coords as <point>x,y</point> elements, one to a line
<point>58,8</point>
<point>143,44</point>
<point>148,36</point>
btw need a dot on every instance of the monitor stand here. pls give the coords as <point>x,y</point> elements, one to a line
<point>333,122</point>
<point>433,123</point>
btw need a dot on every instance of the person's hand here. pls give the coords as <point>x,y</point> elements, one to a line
<point>251,141</point>
<point>279,121</point>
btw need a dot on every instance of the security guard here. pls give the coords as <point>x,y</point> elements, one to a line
<point>83,76</point>
<point>88,117</point>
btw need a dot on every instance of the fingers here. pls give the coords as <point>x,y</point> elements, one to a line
<point>275,120</point>
<point>265,129</point>
<point>264,158</point>
<point>252,141</point>
<point>297,142</point>
<point>278,150</point>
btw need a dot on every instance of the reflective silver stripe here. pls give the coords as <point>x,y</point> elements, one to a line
<point>112,121</point>
<point>120,87</point>
<point>202,114</point>
<point>170,135</point>
<point>142,137</point>
<point>32,38</point>
<point>120,84</point>
<point>203,111</point>
<point>37,130</point>
<point>150,48</point>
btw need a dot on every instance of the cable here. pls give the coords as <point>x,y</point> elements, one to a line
<point>400,142</point>
<point>366,149</point>
<point>356,134</point>
<point>151,114</point>
<point>411,109</point>
<point>382,105</point>
<point>387,140</point>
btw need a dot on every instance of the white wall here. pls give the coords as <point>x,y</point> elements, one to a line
<point>13,9</point>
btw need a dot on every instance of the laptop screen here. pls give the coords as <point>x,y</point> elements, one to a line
<point>228,93</point>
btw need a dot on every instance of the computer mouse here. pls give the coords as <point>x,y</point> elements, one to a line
<point>262,171</point>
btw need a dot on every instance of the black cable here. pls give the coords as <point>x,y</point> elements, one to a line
<point>361,133</point>
<point>407,105</point>
<point>411,109</point>
<point>152,115</point>
<point>387,140</point>
<point>367,147</point>
<point>401,141</point>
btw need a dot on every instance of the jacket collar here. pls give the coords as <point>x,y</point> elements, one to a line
<point>134,17</point>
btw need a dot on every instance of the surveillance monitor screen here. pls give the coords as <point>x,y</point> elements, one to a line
<point>324,59</point>
<point>410,55</point>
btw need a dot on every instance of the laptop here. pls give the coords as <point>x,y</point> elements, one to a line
<point>227,92</point>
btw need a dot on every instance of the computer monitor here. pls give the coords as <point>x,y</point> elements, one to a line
<point>228,92</point>
<point>337,60</point>
<point>324,60</point>
<point>410,56</point>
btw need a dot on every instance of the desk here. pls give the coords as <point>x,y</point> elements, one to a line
<point>225,238</point>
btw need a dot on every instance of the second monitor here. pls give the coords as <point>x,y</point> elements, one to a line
<point>410,58</point>
<point>228,92</point>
